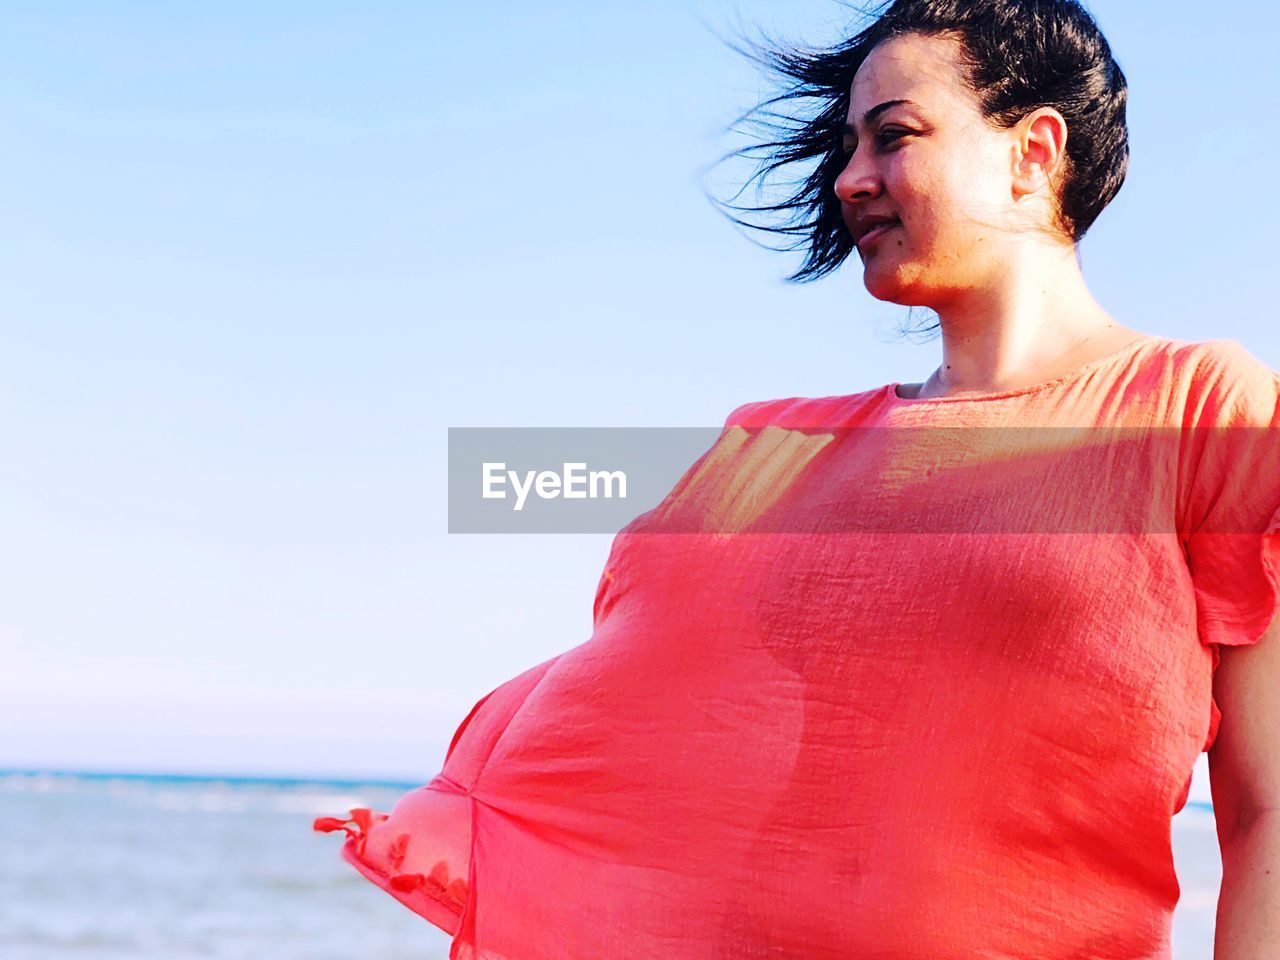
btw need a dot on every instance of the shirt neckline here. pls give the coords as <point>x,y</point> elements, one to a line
<point>891,390</point>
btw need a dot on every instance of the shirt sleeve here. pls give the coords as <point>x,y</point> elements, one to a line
<point>1233,544</point>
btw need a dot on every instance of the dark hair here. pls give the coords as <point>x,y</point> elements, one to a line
<point>1019,55</point>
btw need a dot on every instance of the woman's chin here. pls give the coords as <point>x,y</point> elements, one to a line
<point>884,282</point>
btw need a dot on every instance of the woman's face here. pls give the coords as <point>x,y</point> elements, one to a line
<point>933,163</point>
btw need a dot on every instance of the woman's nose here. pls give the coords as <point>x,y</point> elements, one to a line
<point>857,181</point>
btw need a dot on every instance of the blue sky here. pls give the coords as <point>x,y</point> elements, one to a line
<point>258,257</point>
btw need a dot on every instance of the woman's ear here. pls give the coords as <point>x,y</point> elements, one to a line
<point>1039,149</point>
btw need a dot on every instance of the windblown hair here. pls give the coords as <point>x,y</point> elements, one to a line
<point>1018,55</point>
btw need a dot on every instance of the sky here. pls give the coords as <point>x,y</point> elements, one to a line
<point>260,257</point>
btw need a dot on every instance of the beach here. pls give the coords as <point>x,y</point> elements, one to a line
<point>168,868</point>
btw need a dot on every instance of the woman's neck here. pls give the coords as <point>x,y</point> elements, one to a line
<point>1034,321</point>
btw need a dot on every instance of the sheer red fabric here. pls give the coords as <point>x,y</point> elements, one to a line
<point>876,693</point>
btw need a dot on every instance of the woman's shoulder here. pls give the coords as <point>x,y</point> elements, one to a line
<point>1223,377</point>
<point>1221,356</point>
<point>805,412</point>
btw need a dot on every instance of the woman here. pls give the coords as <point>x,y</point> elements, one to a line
<point>910,672</point>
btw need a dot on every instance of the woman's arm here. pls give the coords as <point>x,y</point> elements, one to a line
<point>1244,773</point>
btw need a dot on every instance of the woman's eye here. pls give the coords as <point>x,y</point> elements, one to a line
<point>884,138</point>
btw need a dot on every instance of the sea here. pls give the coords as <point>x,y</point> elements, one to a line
<point>105,866</point>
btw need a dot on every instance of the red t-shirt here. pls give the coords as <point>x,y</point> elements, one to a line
<point>881,678</point>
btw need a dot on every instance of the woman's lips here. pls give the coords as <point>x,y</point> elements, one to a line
<point>875,234</point>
